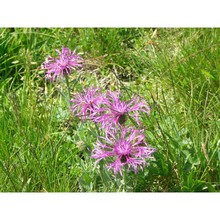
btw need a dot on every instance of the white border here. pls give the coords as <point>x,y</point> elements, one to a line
<point>114,13</point>
<point>133,206</point>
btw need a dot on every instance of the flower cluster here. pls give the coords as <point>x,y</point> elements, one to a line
<point>121,146</point>
<point>59,67</point>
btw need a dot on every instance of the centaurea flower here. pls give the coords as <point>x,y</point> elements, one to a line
<point>116,110</point>
<point>126,147</point>
<point>59,67</point>
<point>86,104</point>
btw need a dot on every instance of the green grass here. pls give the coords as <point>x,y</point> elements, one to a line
<point>45,148</point>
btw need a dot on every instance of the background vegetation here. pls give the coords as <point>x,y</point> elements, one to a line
<point>43,148</point>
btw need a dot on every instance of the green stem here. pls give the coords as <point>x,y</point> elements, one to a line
<point>106,179</point>
<point>124,181</point>
<point>68,88</point>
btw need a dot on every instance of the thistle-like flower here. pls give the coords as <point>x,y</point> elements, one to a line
<point>59,67</point>
<point>126,147</point>
<point>86,104</point>
<point>117,111</point>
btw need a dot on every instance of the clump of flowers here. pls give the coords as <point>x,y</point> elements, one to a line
<point>121,146</point>
<point>126,147</point>
<point>62,65</point>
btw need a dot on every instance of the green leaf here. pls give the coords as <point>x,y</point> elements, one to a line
<point>208,74</point>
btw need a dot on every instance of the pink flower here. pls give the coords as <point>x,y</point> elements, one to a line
<point>87,103</point>
<point>124,147</point>
<point>58,67</point>
<point>116,111</point>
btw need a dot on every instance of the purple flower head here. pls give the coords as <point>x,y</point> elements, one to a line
<point>87,103</point>
<point>58,67</point>
<point>128,148</point>
<point>116,110</point>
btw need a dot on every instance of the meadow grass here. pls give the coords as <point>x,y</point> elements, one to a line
<point>44,148</point>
